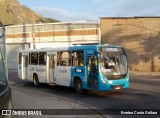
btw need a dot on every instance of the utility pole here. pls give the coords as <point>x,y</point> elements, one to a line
<point>21,19</point>
<point>33,33</point>
<point>24,32</point>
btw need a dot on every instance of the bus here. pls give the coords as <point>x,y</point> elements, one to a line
<point>5,91</point>
<point>90,67</point>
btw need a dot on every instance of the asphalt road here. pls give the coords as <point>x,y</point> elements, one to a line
<point>144,93</point>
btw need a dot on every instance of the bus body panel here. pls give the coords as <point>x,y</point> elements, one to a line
<point>78,72</point>
<point>63,75</point>
<point>39,70</point>
<point>51,77</point>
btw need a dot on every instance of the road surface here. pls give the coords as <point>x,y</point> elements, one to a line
<point>144,93</point>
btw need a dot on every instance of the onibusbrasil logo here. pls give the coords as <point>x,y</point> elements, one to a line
<point>21,112</point>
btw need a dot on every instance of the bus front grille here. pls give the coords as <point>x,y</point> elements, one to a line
<point>116,77</point>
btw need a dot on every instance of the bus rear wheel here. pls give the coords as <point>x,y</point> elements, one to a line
<point>35,80</point>
<point>78,87</point>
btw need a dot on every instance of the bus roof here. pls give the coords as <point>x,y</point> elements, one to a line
<point>77,47</point>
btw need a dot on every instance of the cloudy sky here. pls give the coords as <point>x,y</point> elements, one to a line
<point>77,10</point>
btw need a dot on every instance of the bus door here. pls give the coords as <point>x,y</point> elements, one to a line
<point>20,66</point>
<point>24,66</point>
<point>51,68</point>
<point>92,72</point>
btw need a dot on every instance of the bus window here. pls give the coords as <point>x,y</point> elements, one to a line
<point>26,61</point>
<point>77,58</point>
<point>52,61</point>
<point>113,61</point>
<point>42,58</point>
<point>64,58</point>
<point>29,59</point>
<point>34,58</point>
<point>95,65</point>
<point>58,58</point>
<point>20,58</point>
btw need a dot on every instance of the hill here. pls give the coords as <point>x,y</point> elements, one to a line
<point>12,13</point>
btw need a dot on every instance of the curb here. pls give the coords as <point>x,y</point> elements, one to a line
<point>146,73</point>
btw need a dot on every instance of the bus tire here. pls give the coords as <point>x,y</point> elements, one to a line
<point>35,80</point>
<point>78,86</point>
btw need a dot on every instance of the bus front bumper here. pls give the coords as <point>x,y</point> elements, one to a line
<point>113,85</point>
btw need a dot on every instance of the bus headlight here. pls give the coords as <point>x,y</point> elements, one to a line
<point>104,81</point>
<point>110,82</point>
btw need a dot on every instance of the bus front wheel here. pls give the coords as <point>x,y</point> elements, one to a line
<point>35,80</point>
<point>78,87</point>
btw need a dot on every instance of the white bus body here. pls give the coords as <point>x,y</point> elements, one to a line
<point>45,73</point>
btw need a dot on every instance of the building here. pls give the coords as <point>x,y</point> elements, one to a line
<point>139,35</point>
<point>48,35</point>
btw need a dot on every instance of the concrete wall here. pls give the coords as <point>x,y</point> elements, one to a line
<point>54,33</point>
<point>48,35</point>
<point>139,35</point>
<point>12,54</point>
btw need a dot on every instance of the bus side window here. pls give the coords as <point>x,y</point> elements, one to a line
<point>34,58</point>
<point>20,58</point>
<point>77,58</point>
<point>58,58</point>
<point>52,61</point>
<point>95,65</point>
<point>26,61</point>
<point>65,58</point>
<point>29,62</point>
<point>74,58</point>
<point>89,63</point>
<point>42,58</point>
<point>81,58</point>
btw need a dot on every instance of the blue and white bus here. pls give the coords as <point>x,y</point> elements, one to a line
<point>90,67</point>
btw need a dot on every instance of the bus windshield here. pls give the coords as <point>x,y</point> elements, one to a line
<point>113,61</point>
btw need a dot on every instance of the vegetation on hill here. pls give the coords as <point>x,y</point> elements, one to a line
<point>49,20</point>
<point>12,13</point>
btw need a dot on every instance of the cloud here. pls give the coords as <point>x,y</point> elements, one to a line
<point>64,15</point>
<point>99,1</point>
<point>128,8</point>
<point>105,8</point>
<point>141,7</point>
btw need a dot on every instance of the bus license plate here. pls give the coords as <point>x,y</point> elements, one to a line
<point>117,88</point>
